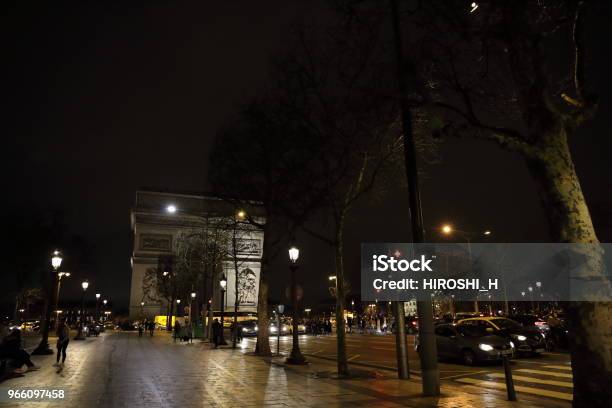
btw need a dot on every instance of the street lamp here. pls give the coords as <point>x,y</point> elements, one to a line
<point>448,229</point>
<point>60,275</point>
<point>170,208</point>
<point>98,306</point>
<point>79,335</point>
<point>43,346</point>
<point>191,314</point>
<point>223,285</point>
<point>296,356</point>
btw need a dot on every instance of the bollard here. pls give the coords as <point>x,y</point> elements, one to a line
<point>509,382</point>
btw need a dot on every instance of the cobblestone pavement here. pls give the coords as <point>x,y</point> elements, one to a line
<point>124,370</point>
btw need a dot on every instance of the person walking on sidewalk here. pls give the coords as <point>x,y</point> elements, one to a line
<point>63,338</point>
<point>177,330</point>
<point>151,328</point>
<point>216,331</point>
<point>141,329</point>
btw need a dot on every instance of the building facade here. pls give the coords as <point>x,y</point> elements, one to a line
<point>164,223</point>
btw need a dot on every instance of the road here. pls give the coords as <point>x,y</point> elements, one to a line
<point>548,375</point>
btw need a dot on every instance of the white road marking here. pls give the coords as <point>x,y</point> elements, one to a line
<point>560,367</point>
<point>536,380</point>
<point>519,388</point>
<point>551,373</point>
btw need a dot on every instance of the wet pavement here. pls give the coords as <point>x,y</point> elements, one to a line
<point>124,370</point>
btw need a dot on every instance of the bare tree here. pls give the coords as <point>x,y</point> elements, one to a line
<point>514,73</point>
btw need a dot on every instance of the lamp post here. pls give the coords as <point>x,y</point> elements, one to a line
<point>79,335</point>
<point>539,286</point>
<point>43,346</point>
<point>191,314</point>
<point>98,306</point>
<point>448,230</point>
<point>530,289</point>
<point>223,285</point>
<point>60,275</point>
<point>296,356</point>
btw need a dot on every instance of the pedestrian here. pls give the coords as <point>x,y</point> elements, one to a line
<point>63,338</point>
<point>349,321</point>
<point>177,330</point>
<point>216,329</point>
<point>151,328</point>
<point>11,348</point>
<point>140,329</point>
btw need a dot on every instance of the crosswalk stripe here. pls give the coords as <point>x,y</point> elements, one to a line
<point>560,367</point>
<point>551,373</point>
<point>519,388</point>
<point>535,380</point>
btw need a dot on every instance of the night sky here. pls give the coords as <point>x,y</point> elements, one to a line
<point>102,100</point>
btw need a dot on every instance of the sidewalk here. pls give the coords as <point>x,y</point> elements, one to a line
<point>124,370</point>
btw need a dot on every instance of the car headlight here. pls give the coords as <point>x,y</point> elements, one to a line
<point>244,329</point>
<point>485,347</point>
<point>520,337</point>
<point>511,345</point>
<point>256,328</point>
<point>273,329</point>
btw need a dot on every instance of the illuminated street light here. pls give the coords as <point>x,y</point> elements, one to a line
<point>60,275</point>
<point>474,6</point>
<point>447,229</point>
<point>171,209</point>
<point>79,336</point>
<point>296,356</point>
<point>43,346</point>
<point>241,215</point>
<point>223,285</point>
<point>56,260</point>
<point>193,295</point>
<point>294,254</point>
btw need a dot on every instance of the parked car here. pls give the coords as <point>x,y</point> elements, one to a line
<point>470,344</point>
<point>465,315</point>
<point>526,340</point>
<point>531,321</point>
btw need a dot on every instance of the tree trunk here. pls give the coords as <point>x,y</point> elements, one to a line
<point>590,322</point>
<point>263,341</point>
<point>343,369</point>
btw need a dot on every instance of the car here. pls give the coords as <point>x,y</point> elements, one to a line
<point>285,328</point>
<point>470,344</point>
<point>526,340</point>
<point>248,327</point>
<point>465,315</point>
<point>532,321</point>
